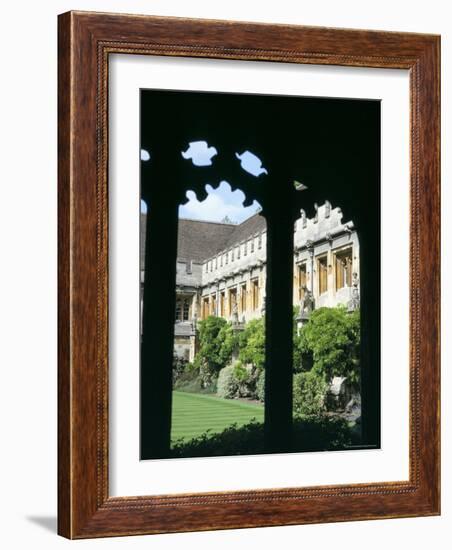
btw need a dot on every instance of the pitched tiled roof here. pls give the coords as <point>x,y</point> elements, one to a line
<point>199,240</point>
<point>247,229</point>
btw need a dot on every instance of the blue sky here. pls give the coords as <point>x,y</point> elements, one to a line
<point>221,202</point>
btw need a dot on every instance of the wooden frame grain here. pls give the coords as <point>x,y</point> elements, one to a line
<point>85,508</point>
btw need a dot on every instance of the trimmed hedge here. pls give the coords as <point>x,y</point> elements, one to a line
<point>309,434</point>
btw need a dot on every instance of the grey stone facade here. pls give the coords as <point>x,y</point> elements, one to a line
<point>221,269</point>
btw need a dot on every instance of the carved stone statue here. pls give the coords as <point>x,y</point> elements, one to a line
<point>353,304</point>
<point>307,302</point>
<point>235,313</point>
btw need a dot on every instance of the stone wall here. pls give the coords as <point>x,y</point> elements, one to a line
<point>323,237</point>
<point>231,283</point>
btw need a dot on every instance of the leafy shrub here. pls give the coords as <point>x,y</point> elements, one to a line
<point>237,380</point>
<point>207,375</point>
<point>245,378</point>
<point>309,391</point>
<point>260,386</point>
<point>179,366</point>
<point>226,383</point>
<point>190,381</point>
<point>309,434</point>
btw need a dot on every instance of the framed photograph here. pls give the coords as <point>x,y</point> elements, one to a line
<point>248,275</point>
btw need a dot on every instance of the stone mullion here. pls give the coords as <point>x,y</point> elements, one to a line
<point>330,274</point>
<point>158,329</point>
<point>278,325</point>
<point>249,305</point>
<point>194,306</point>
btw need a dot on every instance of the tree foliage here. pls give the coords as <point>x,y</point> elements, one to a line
<point>252,343</point>
<point>332,335</point>
<point>216,344</point>
<point>326,346</point>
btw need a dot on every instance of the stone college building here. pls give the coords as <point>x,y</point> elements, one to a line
<point>221,269</point>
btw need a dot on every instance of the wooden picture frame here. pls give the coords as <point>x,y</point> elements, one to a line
<point>85,508</point>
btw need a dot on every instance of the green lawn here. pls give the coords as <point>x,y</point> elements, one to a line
<point>194,414</point>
